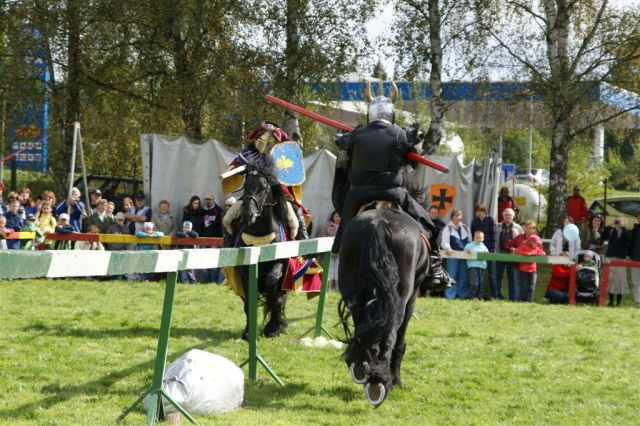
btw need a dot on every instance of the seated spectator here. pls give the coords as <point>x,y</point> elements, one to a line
<point>100,218</point>
<point>187,276</point>
<point>30,226</point>
<point>90,245</point>
<point>528,244</point>
<point>557,291</point>
<point>14,221</point>
<point>63,227</point>
<point>119,227</point>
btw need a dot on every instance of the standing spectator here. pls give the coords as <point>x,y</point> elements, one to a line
<point>455,236</point>
<point>187,275</point>
<point>3,206</point>
<point>111,208</point>
<point>506,231</point>
<point>94,198</point>
<point>559,243</point>
<point>557,291</point>
<point>506,202</point>
<point>485,223</point>
<point>46,222</point>
<point>577,208</point>
<point>119,227</point>
<point>593,235</point>
<point>147,232</point>
<point>476,269</point>
<point>74,208</point>
<point>617,249</point>
<point>99,217</point>
<point>163,219</point>
<point>49,197</point>
<point>528,244</point>
<point>24,196</point>
<point>35,206</point>
<point>634,254</point>
<point>329,229</point>
<point>229,203</point>
<point>434,215</point>
<point>193,213</point>
<point>138,214</point>
<point>212,217</point>
<point>4,231</point>
<point>14,221</point>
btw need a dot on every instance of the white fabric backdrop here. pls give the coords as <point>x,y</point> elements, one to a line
<point>175,168</point>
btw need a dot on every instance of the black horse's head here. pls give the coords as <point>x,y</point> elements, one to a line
<point>261,191</point>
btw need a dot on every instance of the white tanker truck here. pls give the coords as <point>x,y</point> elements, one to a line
<point>530,202</point>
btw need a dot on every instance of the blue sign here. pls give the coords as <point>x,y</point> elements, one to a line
<point>29,121</point>
<point>287,157</point>
<point>507,171</point>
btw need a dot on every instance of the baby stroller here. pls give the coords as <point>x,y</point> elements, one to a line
<point>588,278</point>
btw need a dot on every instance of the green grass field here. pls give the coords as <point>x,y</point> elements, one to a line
<point>79,352</point>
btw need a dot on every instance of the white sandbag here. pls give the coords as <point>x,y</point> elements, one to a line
<point>203,383</point>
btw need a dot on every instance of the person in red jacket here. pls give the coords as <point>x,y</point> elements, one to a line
<point>557,291</point>
<point>577,207</point>
<point>528,244</point>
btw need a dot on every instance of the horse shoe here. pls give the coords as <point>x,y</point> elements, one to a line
<point>360,372</point>
<point>375,393</point>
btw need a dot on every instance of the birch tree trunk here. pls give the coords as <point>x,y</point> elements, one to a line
<point>290,123</point>
<point>435,132</point>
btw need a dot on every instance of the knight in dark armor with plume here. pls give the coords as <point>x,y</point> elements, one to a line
<point>370,168</point>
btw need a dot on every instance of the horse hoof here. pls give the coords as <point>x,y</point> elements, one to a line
<point>375,393</point>
<point>359,372</point>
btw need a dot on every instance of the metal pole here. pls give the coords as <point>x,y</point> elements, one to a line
<point>76,129</point>
<point>4,105</point>
<point>253,322</point>
<point>84,174</point>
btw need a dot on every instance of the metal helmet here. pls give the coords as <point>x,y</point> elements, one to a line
<point>381,107</point>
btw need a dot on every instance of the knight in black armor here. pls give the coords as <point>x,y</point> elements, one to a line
<point>369,168</point>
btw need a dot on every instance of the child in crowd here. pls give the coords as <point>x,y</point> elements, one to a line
<point>14,222</point>
<point>587,261</point>
<point>46,222</point>
<point>147,232</point>
<point>476,269</point>
<point>4,231</point>
<point>528,244</point>
<point>63,227</point>
<point>30,226</point>
<point>90,245</point>
<point>187,276</point>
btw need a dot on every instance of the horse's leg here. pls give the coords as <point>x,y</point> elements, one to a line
<point>275,300</point>
<point>399,349</point>
<point>244,275</point>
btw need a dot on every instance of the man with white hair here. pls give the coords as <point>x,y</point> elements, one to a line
<point>505,232</point>
<point>74,208</point>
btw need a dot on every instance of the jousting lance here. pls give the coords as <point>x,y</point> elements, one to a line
<point>345,128</point>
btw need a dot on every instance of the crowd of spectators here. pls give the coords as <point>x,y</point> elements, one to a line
<point>45,215</point>
<point>505,235</point>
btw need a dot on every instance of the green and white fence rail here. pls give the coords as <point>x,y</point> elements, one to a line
<point>81,263</point>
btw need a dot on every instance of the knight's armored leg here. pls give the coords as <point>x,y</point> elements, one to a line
<point>437,277</point>
<point>302,226</point>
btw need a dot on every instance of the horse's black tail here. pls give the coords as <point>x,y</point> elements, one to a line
<point>374,306</point>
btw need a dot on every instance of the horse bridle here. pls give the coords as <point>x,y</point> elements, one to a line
<point>261,206</point>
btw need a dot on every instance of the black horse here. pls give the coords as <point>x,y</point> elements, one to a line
<point>264,210</point>
<point>382,257</point>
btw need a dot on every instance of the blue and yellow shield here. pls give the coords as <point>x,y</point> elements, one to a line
<point>287,156</point>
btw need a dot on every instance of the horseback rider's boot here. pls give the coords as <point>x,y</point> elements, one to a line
<point>302,226</point>
<point>437,277</point>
